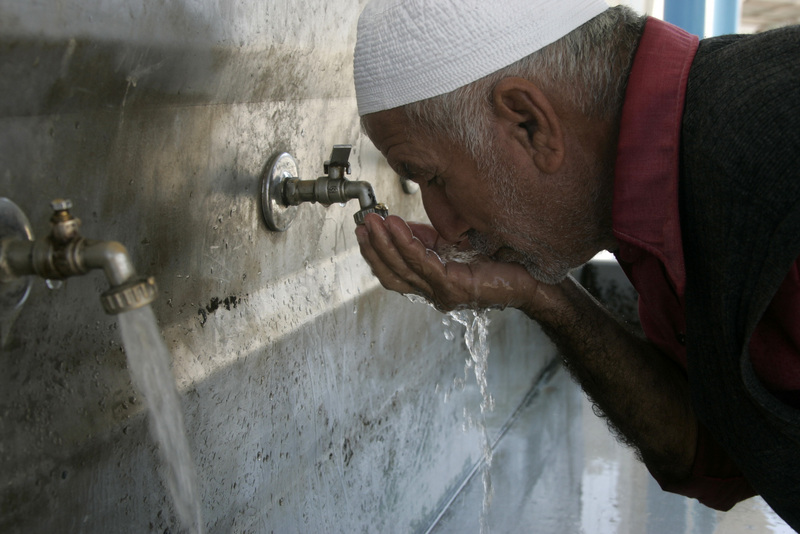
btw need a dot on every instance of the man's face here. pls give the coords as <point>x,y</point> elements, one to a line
<point>500,204</point>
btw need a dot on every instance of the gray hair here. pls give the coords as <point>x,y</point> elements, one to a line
<point>586,69</point>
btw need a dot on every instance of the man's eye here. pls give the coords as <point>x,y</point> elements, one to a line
<point>435,181</point>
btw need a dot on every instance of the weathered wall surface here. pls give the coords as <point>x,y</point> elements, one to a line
<point>314,401</point>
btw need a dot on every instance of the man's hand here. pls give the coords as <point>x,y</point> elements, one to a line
<point>407,258</point>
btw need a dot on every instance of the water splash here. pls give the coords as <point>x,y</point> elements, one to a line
<point>148,363</point>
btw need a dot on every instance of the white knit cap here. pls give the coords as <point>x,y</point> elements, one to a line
<point>410,50</point>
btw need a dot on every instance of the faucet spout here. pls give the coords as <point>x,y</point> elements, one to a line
<point>363,191</point>
<point>65,253</point>
<point>110,256</point>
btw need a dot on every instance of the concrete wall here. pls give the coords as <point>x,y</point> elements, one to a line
<point>314,400</point>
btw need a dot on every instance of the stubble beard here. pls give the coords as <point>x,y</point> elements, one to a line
<point>550,269</point>
<point>538,257</point>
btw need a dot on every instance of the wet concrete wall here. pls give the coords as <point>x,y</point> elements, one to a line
<point>314,401</point>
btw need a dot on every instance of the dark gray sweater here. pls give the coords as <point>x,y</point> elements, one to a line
<point>740,221</point>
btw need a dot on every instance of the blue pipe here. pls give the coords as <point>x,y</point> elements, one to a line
<point>687,14</point>
<point>726,16</point>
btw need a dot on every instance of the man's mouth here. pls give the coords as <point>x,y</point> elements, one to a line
<point>494,248</point>
<point>507,255</point>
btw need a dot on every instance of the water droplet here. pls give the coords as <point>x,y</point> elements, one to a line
<point>54,284</point>
<point>417,299</point>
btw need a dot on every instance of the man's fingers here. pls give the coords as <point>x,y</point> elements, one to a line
<point>425,233</point>
<point>447,288</point>
<point>387,261</point>
<point>388,278</point>
<point>416,256</point>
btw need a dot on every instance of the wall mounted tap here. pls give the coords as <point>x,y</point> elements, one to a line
<point>282,191</point>
<point>64,253</point>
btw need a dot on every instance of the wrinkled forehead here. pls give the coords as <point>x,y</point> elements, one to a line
<point>411,50</point>
<point>407,151</point>
<point>388,128</point>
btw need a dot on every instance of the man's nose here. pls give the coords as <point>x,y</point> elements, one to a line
<point>443,215</point>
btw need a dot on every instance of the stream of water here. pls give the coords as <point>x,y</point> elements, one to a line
<point>148,363</point>
<point>476,324</point>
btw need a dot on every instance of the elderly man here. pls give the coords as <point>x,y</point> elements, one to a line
<point>544,131</point>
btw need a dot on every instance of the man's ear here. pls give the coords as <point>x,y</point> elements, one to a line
<point>525,114</point>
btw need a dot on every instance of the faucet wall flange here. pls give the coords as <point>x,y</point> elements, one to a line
<point>278,214</point>
<point>14,289</point>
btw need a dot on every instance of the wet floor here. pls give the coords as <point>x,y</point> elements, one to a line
<point>558,470</point>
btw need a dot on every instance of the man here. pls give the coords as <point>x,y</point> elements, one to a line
<point>544,131</point>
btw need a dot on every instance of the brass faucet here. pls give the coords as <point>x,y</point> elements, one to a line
<point>65,252</point>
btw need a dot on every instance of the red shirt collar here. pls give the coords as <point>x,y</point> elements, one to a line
<point>645,208</point>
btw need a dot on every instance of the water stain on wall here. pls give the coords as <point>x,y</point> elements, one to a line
<point>216,303</point>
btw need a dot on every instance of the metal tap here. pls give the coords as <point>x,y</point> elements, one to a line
<point>65,253</point>
<point>282,190</point>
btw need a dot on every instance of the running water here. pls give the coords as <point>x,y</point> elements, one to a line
<point>148,363</point>
<point>476,323</point>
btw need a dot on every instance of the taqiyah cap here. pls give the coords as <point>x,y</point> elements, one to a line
<point>410,50</point>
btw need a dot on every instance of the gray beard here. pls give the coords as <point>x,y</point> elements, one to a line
<point>551,271</point>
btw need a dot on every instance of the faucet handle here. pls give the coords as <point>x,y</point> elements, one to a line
<point>61,204</point>
<point>65,226</point>
<point>340,157</point>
